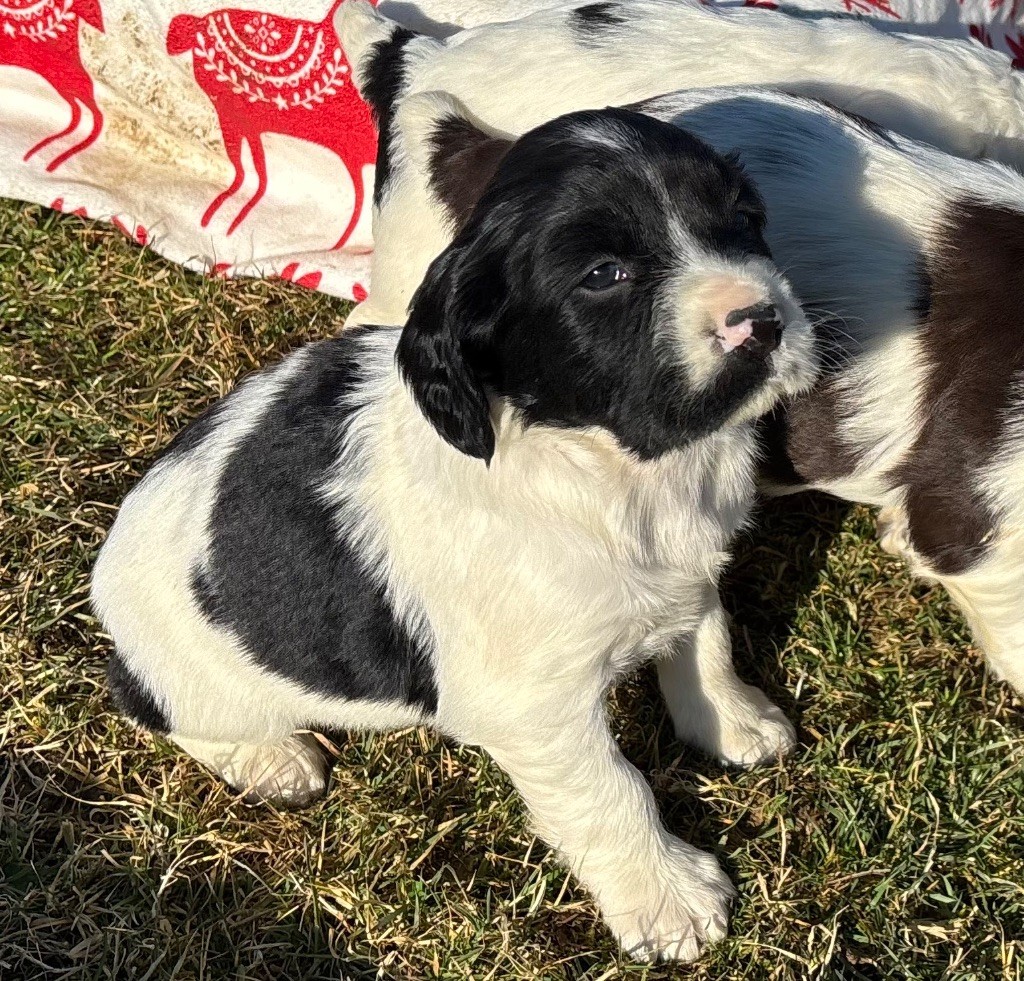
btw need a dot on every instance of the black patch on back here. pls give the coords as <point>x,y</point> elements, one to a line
<point>384,76</point>
<point>280,576</point>
<point>972,333</point>
<point>595,20</point>
<point>462,161</point>
<point>133,698</point>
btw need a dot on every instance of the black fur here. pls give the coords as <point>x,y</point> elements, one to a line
<point>503,309</point>
<point>594,20</point>
<point>133,699</point>
<point>280,575</point>
<point>384,80</point>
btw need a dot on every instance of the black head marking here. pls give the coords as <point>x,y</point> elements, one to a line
<point>593,22</point>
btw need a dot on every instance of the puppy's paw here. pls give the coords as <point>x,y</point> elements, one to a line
<point>293,773</point>
<point>676,912</point>
<point>754,731</point>
<point>893,532</point>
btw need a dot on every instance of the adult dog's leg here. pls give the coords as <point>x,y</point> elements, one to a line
<point>660,896</point>
<point>992,598</point>
<point>710,707</point>
<point>990,594</point>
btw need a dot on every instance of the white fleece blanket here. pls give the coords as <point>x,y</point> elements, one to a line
<point>232,141</point>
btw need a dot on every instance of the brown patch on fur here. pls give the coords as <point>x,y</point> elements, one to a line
<point>463,159</point>
<point>973,331</point>
<point>802,442</point>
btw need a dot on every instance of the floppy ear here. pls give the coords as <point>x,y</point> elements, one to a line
<point>463,160</point>
<point>450,326</point>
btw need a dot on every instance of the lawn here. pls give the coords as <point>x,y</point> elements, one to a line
<point>890,845</point>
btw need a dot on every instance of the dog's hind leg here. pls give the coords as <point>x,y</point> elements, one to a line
<point>991,596</point>
<point>293,772</point>
<point>710,706</point>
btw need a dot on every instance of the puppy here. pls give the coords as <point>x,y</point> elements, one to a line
<point>512,76</point>
<point>479,522</point>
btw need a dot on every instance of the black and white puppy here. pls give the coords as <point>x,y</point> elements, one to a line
<point>910,260</point>
<point>480,521</point>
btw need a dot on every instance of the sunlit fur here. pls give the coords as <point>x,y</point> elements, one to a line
<point>509,77</point>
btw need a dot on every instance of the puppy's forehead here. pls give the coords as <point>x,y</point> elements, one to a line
<point>607,131</point>
<point>646,154</point>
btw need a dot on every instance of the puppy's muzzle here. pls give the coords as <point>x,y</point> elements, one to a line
<point>756,329</point>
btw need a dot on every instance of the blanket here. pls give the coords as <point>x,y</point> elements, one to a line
<point>231,140</point>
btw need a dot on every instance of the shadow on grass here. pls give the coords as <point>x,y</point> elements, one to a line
<point>777,566</point>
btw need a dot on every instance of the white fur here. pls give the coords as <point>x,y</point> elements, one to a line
<point>512,76</point>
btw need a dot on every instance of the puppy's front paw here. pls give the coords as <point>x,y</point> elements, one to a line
<point>674,913</point>
<point>755,731</point>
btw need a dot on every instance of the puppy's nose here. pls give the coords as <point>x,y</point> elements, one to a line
<point>756,328</point>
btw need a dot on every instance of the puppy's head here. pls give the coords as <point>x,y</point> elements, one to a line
<point>612,274</point>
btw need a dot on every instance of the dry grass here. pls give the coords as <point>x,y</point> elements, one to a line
<point>890,846</point>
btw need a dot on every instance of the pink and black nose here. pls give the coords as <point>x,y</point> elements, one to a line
<point>756,329</point>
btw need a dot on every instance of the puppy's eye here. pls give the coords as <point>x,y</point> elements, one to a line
<point>604,276</point>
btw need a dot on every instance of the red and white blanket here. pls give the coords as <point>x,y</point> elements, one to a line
<point>232,141</point>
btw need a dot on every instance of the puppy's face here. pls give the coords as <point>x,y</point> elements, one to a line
<point>613,274</point>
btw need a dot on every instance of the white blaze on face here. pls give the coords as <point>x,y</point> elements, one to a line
<point>715,306</point>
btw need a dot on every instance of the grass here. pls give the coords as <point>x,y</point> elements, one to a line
<point>891,845</point>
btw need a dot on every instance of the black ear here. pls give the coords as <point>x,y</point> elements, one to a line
<point>450,324</point>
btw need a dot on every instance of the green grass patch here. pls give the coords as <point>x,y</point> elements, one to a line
<point>889,846</point>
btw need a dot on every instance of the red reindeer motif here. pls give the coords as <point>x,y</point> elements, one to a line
<point>270,74</point>
<point>42,36</point>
